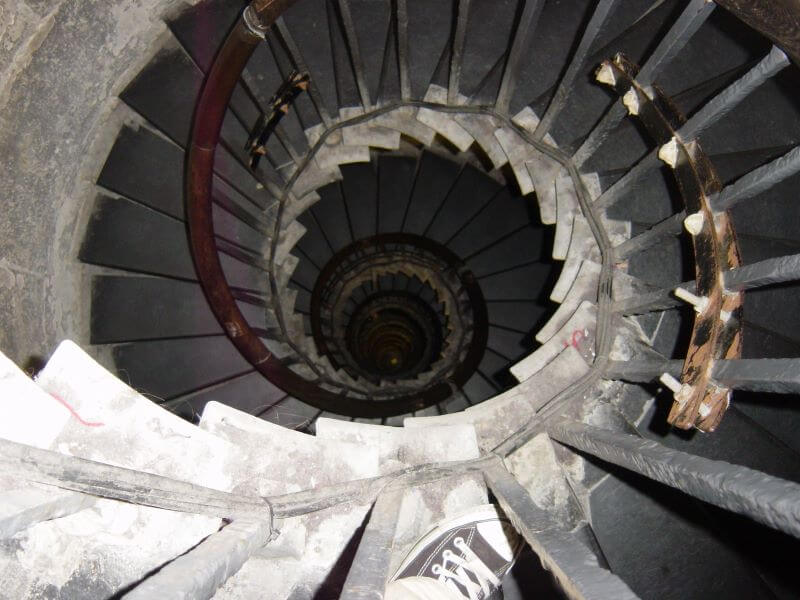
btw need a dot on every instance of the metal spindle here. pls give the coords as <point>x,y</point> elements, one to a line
<point>457,54</point>
<point>355,53</point>
<point>757,181</point>
<point>681,32</point>
<point>769,500</point>
<point>527,23</point>
<point>593,29</point>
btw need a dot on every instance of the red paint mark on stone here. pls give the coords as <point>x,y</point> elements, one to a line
<point>75,414</point>
<point>577,336</point>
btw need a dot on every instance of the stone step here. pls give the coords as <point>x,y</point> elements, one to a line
<point>330,157</point>
<point>303,461</point>
<point>290,235</point>
<point>577,332</point>
<point>582,246</point>
<point>499,417</point>
<point>404,120</point>
<point>566,208</point>
<point>79,408</point>
<point>403,447</point>
<point>542,169</point>
<point>482,129</point>
<point>518,153</point>
<point>367,134</point>
<point>443,123</point>
<point>583,288</point>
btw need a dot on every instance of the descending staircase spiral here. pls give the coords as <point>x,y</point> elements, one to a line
<point>476,215</point>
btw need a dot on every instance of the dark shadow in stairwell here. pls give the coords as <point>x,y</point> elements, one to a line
<point>34,364</point>
<point>773,554</point>
<point>658,424</point>
<point>331,588</point>
<point>528,579</point>
<point>639,522</point>
<point>778,414</point>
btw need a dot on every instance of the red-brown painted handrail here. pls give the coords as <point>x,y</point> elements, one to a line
<point>209,114</point>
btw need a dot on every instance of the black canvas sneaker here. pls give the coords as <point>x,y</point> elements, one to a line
<point>469,554</point>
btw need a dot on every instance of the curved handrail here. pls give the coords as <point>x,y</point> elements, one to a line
<point>212,104</point>
<point>214,98</point>
<point>716,328</point>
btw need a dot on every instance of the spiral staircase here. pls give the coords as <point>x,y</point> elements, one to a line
<point>441,253</point>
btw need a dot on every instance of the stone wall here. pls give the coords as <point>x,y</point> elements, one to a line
<point>62,63</point>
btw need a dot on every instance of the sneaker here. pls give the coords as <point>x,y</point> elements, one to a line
<point>469,554</point>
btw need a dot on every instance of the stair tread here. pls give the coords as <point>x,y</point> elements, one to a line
<point>304,461</point>
<point>583,288</point>
<point>583,320</point>
<point>408,447</point>
<point>443,123</point>
<point>499,417</point>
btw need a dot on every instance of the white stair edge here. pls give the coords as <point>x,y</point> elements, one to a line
<point>444,124</point>
<point>583,319</point>
<point>407,446</point>
<point>499,417</point>
<point>582,246</point>
<point>583,288</point>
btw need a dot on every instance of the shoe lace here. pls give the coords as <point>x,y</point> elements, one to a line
<point>468,571</point>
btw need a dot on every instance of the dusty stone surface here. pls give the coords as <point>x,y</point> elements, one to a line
<point>400,447</point>
<point>424,506</point>
<point>90,413</point>
<point>62,63</point>
<point>298,461</point>
<point>20,508</point>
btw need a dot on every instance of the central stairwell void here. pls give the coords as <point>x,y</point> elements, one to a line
<point>368,263</point>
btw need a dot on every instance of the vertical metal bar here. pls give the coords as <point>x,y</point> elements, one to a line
<point>626,183</point>
<point>22,508</point>
<point>606,50</point>
<point>446,197</point>
<point>200,572</point>
<point>656,300</point>
<point>380,94</point>
<point>355,53</point>
<point>669,227</point>
<point>559,99</point>
<point>766,272</point>
<point>413,189</point>
<point>378,197</point>
<point>322,231</point>
<point>300,65</point>
<point>731,96</point>
<point>757,181</point>
<point>681,32</point>
<point>527,23</point>
<point>693,16</point>
<point>127,485</point>
<point>472,217</point>
<point>641,370</point>
<point>713,110</point>
<point>773,375</point>
<point>347,213</point>
<point>367,577</point>
<point>402,49</point>
<point>769,500</point>
<point>574,566</point>
<point>457,54</point>
<point>284,141</point>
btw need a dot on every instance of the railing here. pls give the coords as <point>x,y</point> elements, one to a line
<point>414,256</point>
<point>700,399</point>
